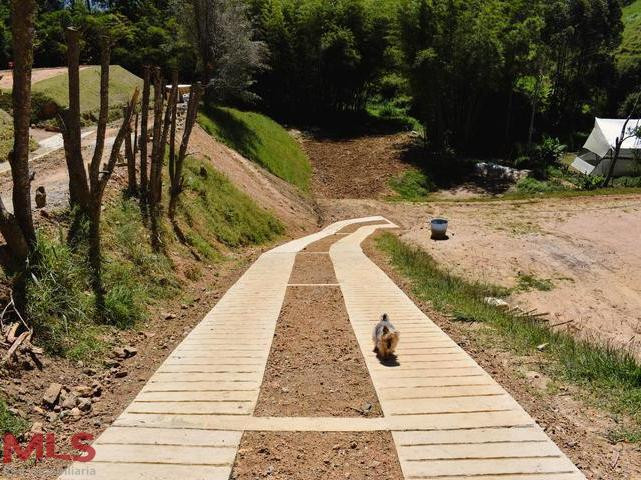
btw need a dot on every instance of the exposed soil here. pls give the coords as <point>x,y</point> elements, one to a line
<point>578,429</point>
<point>270,192</point>
<point>317,455</point>
<point>313,269</point>
<point>37,75</point>
<point>355,226</point>
<point>315,367</point>
<point>357,167</point>
<point>323,245</point>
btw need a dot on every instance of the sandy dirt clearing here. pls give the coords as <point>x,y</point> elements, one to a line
<point>585,248</point>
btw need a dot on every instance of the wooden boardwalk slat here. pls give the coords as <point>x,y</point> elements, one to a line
<point>457,422</point>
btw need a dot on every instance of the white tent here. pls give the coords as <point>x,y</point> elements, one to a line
<point>598,149</point>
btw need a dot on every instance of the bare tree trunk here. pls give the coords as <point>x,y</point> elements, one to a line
<point>130,154</point>
<point>154,195</point>
<point>70,126</point>
<point>14,237</point>
<point>136,123</point>
<point>144,179</point>
<point>22,25</point>
<point>103,116</point>
<point>176,179</point>
<point>164,137</point>
<point>97,195</point>
<point>172,132</point>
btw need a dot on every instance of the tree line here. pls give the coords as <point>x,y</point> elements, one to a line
<point>482,76</point>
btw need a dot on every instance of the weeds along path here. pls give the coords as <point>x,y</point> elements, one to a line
<point>250,393</point>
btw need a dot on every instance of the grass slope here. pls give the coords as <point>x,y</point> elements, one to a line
<point>629,55</point>
<point>121,86</point>
<point>214,218</point>
<point>261,140</point>
<point>609,377</point>
<point>6,135</point>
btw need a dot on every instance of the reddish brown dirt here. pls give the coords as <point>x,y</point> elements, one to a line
<point>314,268</point>
<point>355,168</point>
<point>322,245</point>
<point>315,366</point>
<point>578,429</point>
<point>355,226</point>
<point>270,192</point>
<point>317,455</point>
<point>37,75</point>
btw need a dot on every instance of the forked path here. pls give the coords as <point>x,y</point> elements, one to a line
<point>449,419</point>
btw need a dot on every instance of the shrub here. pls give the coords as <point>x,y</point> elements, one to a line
<point>412,185</point>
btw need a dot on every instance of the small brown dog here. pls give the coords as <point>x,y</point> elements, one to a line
<point>385,338</point>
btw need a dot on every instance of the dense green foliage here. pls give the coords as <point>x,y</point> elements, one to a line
<point>326,56</point>
<point>260,139</point>
<point>629,55</point>
<point>482,76</point>
<point>610,377</point>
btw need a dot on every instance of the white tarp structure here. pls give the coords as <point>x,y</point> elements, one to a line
<point>598,149</point>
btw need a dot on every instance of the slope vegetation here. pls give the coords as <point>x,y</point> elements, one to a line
<point>629,56</point>
<point>261,140</point>
<point>121,85</point>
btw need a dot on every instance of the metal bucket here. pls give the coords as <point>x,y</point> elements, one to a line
<point>439,228</point>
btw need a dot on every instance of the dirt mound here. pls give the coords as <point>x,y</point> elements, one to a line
<point>38,74</point>
<point>269,191</point>
<point>356,167</point>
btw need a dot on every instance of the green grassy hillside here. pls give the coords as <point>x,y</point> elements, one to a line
<point>629,55</point>
<point>6,135</point>
<point>121,86</point>
<point>261,140</point>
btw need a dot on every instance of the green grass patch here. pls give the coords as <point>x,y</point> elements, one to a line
<point>122,84</point>
<point>261,140</point>
<point>530,185</point>
<point>527,282</point>
<point>10,423</point>
<point>61,303</point>
<point>6,135</point>
<point>412,185</point>
<point>215,217</point>
<point>629,55</point>
<point>609,377</point>
<point>217,213</point>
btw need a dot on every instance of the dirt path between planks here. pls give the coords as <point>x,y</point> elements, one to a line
<point>316,369</point>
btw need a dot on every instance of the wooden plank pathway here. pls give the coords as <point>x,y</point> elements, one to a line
<point>449,419</point>
<point>457,422</point>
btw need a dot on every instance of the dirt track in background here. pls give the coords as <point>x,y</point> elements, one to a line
<point>357,167</point>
